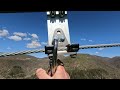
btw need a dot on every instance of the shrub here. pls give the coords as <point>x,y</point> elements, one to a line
<point>16,72</point>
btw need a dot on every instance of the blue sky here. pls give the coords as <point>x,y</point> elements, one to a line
<point>27,31</point>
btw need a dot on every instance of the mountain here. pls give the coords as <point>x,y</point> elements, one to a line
<point>25,63</point>
<point>115,61</point>
<point>84,66</point>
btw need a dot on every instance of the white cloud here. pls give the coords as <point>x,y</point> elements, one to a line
<point>27,39</point>
<point>90,40</point>
<point>100,48</point>
<point>96,52</point>
<point>83,39</point>
<point>15,38</point>
<point>34,36</point>
<point>28,33</point>
<point>8,48</point>
<point>4,33</point>
<point>44,43</point>
<point>33,44</point>
<point>20,34</point>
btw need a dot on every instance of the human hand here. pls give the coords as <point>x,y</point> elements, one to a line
<point>59,74</point>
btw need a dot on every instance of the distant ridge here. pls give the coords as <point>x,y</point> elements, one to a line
<point>84,66</point>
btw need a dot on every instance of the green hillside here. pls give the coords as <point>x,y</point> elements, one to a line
<point>84,66</point>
